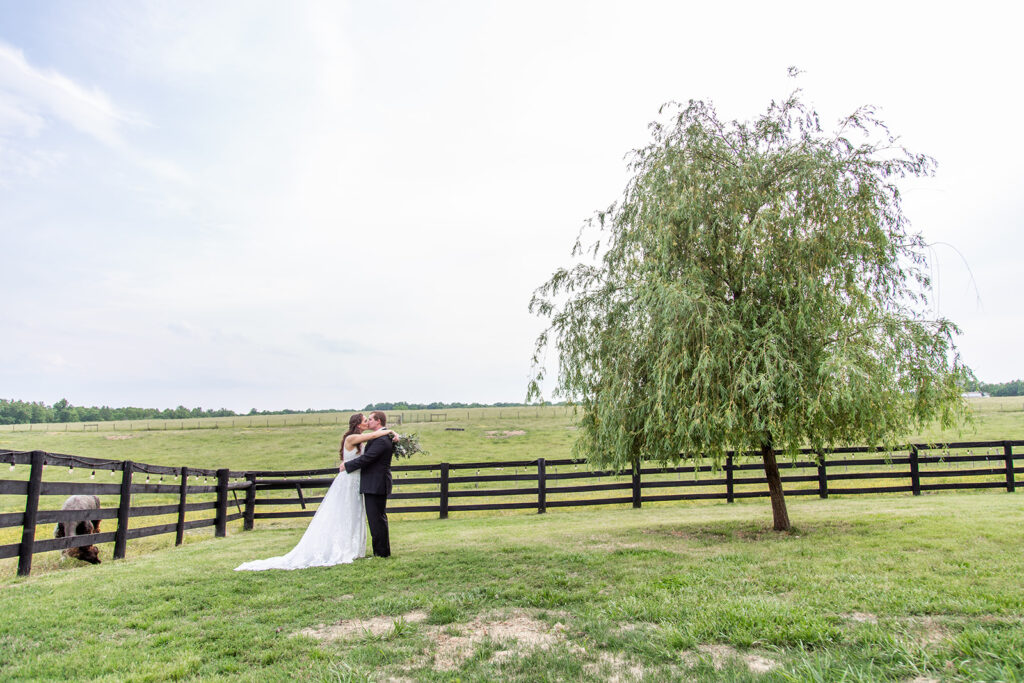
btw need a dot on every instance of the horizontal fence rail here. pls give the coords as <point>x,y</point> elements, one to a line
<point>136,479</point>
<point>445,488</point>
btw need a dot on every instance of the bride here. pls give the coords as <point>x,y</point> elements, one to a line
<point>337,532</point>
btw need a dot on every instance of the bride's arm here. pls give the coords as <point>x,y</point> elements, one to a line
<point>354,440</point>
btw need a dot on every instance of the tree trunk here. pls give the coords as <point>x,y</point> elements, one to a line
<point>771,471</point>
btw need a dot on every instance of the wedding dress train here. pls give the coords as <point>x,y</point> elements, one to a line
<point>335,535</point>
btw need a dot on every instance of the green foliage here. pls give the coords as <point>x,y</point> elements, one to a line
<point>22,412</point>
<point>756,285</point>
<point>1014,388</point>
<point>440,405</point>
<point>408,445</point>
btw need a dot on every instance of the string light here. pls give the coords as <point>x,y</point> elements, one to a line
<point>93,475</point>
<point>71,469</point>
<point>12,466</point>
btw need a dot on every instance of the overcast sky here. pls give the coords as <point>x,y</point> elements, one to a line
<point>325,204</point>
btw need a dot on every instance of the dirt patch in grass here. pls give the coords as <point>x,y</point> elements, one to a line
<point>925,630</point>
<point>452,644</point>
<point>119,437</point>
<point>861,617</point>
<point>928,630</point>
<point>615,668</point>
<point>358,628</point>
<point>498,434</point>
<point>528,633</point>
<point>720,654</point>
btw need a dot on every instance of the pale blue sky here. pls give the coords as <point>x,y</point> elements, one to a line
<point>324,204</point>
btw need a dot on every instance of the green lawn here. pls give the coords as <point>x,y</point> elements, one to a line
<point>465,436</point>
<point>887,587</point>
<point>876,588</point>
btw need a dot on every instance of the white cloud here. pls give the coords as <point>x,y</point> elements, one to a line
<point>34,94</point>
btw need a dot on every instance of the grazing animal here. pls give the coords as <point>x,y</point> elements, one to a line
<point>88,553</point>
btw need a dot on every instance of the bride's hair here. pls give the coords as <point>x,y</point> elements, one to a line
<point>353,426</point>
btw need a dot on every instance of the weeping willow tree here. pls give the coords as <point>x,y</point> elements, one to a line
<point>756,289</point>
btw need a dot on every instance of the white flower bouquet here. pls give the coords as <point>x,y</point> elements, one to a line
<point>408,445</point>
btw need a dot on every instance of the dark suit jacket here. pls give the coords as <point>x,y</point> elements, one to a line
<point>375,464</point>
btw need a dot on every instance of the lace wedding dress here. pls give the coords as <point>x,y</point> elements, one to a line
<point>336,534</point>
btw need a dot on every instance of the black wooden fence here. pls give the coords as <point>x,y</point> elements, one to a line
<point>182,482</point>
<point>527,484</point>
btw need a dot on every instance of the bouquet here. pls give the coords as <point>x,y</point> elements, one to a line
<point>408,445</point>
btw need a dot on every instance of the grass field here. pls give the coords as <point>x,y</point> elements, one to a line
<point>885,587</point>
<point>489,434</point>
<point>870,589</point>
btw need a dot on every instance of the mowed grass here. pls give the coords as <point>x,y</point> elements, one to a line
<point>865,589</point>
<point>475,435</point>
<point>472,435</point>
<point>886,587</point>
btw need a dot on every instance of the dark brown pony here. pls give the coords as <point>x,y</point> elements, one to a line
<point>86,553</point>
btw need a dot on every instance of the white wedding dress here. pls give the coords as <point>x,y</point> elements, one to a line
<point>336,534</point>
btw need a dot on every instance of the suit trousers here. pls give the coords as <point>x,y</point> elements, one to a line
<point>377,517</point>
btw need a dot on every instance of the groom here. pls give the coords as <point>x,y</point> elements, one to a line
<point>375,483</point>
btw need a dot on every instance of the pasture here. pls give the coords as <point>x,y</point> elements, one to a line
<point>869,589</point>
<point>311,441</point>
<point>885,587</point>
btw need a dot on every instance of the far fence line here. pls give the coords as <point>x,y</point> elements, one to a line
<point>531,484</point>
<point>397,417</point>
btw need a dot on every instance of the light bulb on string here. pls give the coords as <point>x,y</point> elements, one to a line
<point>71,469</point>
<point>12,467</point>
<point>93,475</point>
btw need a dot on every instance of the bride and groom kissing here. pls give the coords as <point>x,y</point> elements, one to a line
<point>357,496</point>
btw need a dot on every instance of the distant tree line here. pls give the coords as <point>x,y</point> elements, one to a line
<point>22,412</point>
<point>25,412</point>
<point>1014,388</point>
<point>438,405</point>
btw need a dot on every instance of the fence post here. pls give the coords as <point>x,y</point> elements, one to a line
<point>822,476</point>
<point>915,474</point>
<point>542,497</point>
<point>222,504</point>
<point>123,509</point>
<point>1008,455</point>
<point>636,483</point>
<point>444,490</point>
<point>28,531</point>
<point>729,486</point>
<point>179,531</point>
<point>250,503</point>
